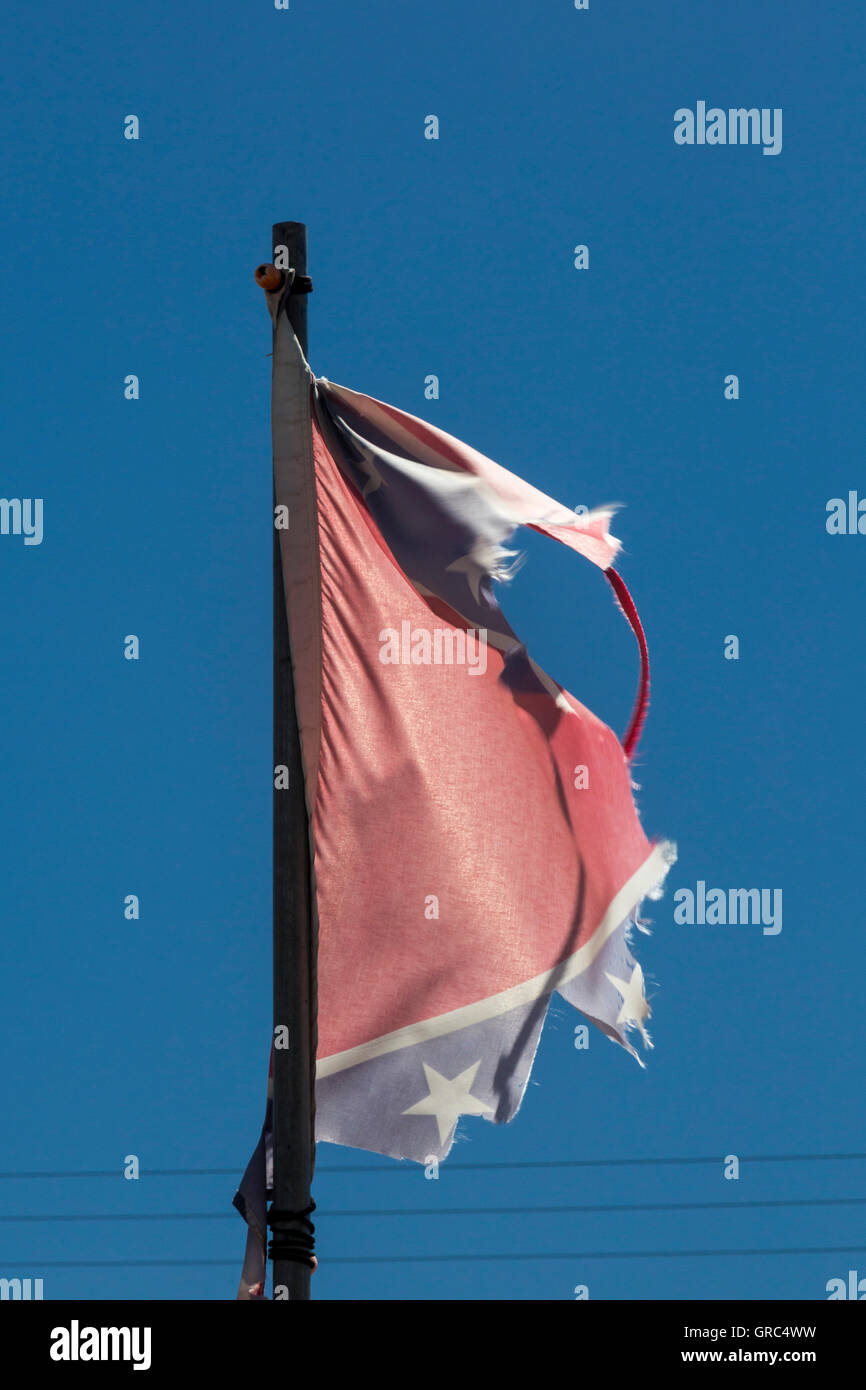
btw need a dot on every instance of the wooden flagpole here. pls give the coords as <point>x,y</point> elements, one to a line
<point>291,1245</point>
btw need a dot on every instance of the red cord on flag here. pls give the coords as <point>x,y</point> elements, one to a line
<point>641,705</point>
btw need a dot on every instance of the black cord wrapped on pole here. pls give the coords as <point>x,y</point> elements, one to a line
<point>291,1245</point>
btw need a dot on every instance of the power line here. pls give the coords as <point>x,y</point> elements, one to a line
<point>467,1211</point>
<point>464,1258</point>
<point>135,1216</point>
<point>600,1207</point>
<point>404,1166</point>
<point>714,1159</point>
<point>598,1255</point>
<point>118,1173</point>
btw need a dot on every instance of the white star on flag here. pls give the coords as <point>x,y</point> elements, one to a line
<point>448,1100</point>
<point>634,1005</point>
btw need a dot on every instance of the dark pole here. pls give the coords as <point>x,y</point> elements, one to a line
<point>291,1243</point>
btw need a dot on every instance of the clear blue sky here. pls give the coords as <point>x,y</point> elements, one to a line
<point>451,257</point>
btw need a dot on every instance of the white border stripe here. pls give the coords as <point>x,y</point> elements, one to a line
<point>639,886</point>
